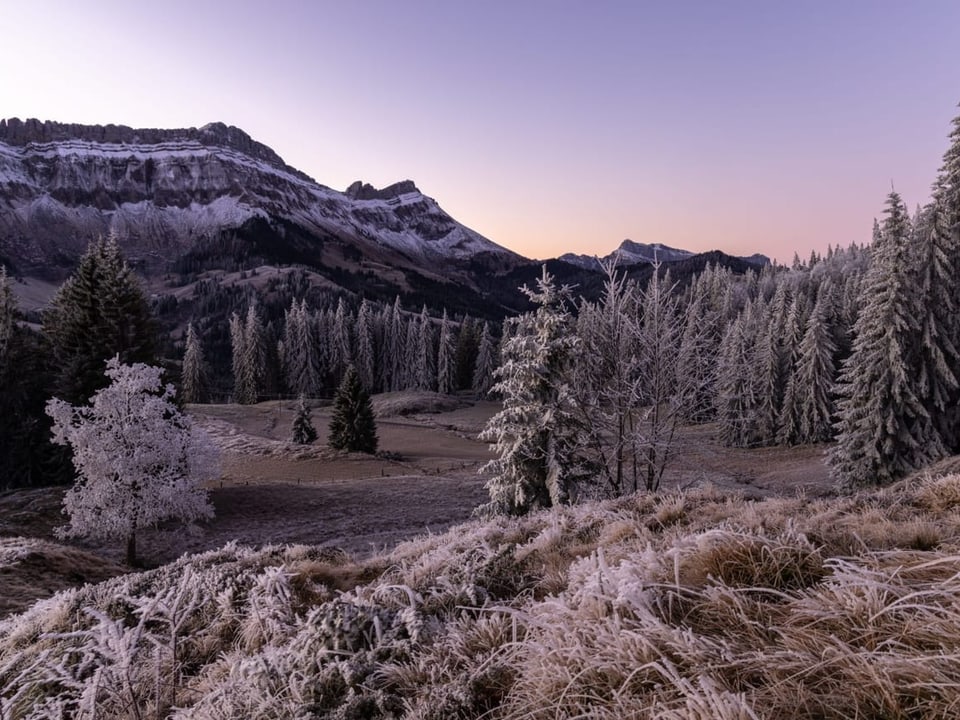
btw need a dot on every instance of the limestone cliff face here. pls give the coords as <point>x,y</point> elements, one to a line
<point>164,192</point>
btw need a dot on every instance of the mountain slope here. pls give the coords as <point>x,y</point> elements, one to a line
<point>173,195</point>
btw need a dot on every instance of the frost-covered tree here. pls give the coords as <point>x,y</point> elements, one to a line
<point>486,363</point>
<point>447,357</point>
<point>699,348</point>
<point>139,460</point>
<point>303,431</point>
<point>300,351</point>
<point>365,354</point>
<point>736,398</point>
<point>248,344</point>
<point>193,378</point>
<point>100,311</point>
<point>537,436</point>
<point>427,353</point>
<point>352,424</point>
<point>815,376</point>
<point>606,379</point>
<point>883,430</point>
<point>664,395</point>
<point>341,342</point>
<point>394,346</point>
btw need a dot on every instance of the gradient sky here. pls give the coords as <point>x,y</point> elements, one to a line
<point>549,127</point>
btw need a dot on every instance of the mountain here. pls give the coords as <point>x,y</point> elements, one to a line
<point>634,253</point>
<point>191,200</point>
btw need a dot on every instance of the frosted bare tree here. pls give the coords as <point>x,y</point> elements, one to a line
<point>139,460</point>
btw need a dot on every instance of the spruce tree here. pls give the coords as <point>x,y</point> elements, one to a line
<point>537,436</point>
<point>814,375</point>
<point>883,430</point>
<point>352,425</point>
<point>486,362</point>
<point>194,374</point>
<point>446,358</point>
<point>248,343</point>
<point>303,431</point>
<point>300,361</point>
<point>395,348</point>
<point>427,353</point>
<point>364,356</point>
<point>99,312</point>
<point>341,343</point>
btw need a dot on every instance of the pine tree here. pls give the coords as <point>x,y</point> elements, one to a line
<point>364,357</point>
<point>395,348</point>
<point>486,363</point>
<point>303,431</point>
<point>938,239</point>
<point>411,354</point>
<point>735,399</point>
<point>446,358</point>
<point>352,425</point>
<point>883,430</point>
<point>300,361</point>
<point>536,435</point>
<point>468,344</point>
<point>815,375</point>
<point>249,355</point>
<point>341,343</point>
<point>194,374</point>
<point>99,312</point>
<point>427,353</point>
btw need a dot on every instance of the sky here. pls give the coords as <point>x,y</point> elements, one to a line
<point>547,126</point>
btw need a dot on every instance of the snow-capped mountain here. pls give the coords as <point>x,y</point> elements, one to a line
<point>629,253</point>
<point>634,253</point>
<point>179,196</point>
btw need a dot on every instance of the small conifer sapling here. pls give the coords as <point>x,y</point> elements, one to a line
<point>303,431</point>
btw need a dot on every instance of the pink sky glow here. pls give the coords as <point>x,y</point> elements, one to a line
<point>548,126</point>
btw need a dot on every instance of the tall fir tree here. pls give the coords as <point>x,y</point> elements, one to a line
<point>815,374</point>
<point>427,355</point>
<point>395,348</point>
<point>341,342</point>
<point>248,343</point>
<point>99,312</point>
<point>365,353</point>
<point>487,361</point>
<point>883,429</point>
<point>537,436</point>
<point>352,423</point>
<point>446,357</point>
<point>193,377</point>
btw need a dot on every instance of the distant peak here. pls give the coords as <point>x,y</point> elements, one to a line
<point>360,190</point>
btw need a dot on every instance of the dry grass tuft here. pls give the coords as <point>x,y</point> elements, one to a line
<point>694,605</point>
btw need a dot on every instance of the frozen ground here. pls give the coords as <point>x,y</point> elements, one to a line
<point>425,481</point>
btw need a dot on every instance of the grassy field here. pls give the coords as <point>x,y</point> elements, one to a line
<point>360,588</point>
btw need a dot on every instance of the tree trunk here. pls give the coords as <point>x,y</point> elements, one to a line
<point>132,549</point>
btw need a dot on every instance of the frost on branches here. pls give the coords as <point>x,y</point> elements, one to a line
<point>537,436</point>
<point>139,460</point>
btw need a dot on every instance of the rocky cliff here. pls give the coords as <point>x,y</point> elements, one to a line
<point>172,195</point>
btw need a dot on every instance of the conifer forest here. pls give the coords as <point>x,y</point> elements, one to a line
<point>587,581</point>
